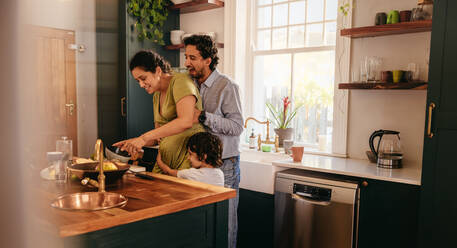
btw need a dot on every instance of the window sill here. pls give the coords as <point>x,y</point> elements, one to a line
<point>244,148</point>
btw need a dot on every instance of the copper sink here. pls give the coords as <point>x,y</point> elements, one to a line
<point>89,201</point>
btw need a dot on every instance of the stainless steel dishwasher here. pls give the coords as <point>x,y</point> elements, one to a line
<point>312,210</point>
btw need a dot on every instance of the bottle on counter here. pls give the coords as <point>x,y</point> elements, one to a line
<point>252,140</point>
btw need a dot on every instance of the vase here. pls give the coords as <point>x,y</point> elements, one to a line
<point>284,134</point>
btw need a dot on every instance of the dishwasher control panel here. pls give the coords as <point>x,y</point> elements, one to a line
<point>313,192</point>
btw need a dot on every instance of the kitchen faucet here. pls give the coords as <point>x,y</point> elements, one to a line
<point>267,139</point>
<point>101,176</point>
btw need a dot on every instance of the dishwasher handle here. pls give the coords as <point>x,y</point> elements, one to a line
<point>304,197</point>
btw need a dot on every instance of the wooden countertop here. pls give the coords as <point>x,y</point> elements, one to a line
<point>146,199</point>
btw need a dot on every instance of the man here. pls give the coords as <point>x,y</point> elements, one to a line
<point>221,113</point>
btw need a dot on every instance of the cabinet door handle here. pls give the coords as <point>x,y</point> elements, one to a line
<point>430,115</point>
<point>122,107</point>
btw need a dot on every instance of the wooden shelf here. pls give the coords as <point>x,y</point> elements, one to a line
<point>177,47</point>
<point>388,29</point>
<point>197,5</point>
<point>384,86</point>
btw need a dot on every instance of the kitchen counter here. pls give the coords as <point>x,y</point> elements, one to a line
<point>146,199</point>
<point>410,174</point>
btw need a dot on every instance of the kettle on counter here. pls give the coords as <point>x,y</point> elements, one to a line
<point>388,153</point>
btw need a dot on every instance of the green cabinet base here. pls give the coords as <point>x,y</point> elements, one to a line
<point>255,219</point>
<point>388,214</point>
<point>205,226</point>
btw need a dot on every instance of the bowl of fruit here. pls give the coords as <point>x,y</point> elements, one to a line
<point>113,170</point>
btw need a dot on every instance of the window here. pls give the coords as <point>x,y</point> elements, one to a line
<point>293,54</point>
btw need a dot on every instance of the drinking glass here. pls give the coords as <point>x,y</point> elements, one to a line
<point>414,69</point>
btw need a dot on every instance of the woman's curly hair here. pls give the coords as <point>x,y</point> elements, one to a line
<point>208,144</point>
<point>206,46</point>
<point>148,61</point>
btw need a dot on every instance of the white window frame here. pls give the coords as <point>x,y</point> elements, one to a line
<point>242,65</point>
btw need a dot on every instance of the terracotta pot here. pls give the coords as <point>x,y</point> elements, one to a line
<point>284,134</point>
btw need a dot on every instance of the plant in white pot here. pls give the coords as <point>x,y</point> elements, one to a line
<point>282,118</point>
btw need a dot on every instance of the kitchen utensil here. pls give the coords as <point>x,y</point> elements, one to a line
<point>113,152</point>
<point>297,153</point>
<point>287,145</point>
<point>397,76</point>
<point>414,69</point>
<point>418,14</point>
<point>386,76</point>
<point>175,36</point>
<point>388,151</point>
<point>144,176</point>
<point>65,146</point>
<point>405,15</point>
<point>381,18</point>
<point>371,66</point>
<point>57,165</point>
<point>88,170</point>
<point>393,17</point>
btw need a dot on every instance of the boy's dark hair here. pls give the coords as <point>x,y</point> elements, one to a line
<point>148,61</point>
<point>206,46</point>
<point>207,144</point>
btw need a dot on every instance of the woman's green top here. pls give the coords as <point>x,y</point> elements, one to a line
<point>173,149</point>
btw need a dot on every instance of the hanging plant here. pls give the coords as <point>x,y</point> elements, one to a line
<point>150,16</point>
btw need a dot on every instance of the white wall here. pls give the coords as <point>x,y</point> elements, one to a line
<point>401,110</point>
<point>79,16</point>
<point>205,21</point>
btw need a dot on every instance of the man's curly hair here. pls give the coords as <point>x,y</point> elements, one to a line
<point>206,46</point>
<point>208,144</point>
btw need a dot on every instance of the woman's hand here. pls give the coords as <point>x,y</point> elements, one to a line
<point>132,146</point>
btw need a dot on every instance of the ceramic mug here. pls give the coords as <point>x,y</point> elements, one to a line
<point>297,153</point>
<point>405,16</point>
<point>393,17</point>
<point>386,76</point>
<point>397,76</point>
<point>381,18</point>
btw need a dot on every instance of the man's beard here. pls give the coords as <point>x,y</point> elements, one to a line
<point>198,74</point>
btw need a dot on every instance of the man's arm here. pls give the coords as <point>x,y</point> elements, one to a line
<point>232,121</point>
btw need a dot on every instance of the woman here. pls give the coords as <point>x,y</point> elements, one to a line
<point>177,105</point>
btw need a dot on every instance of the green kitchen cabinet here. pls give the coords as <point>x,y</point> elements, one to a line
<point>200,227</point>
<point>124,109</point>
<point>388,214</point>
<point>438,215</point>
<point>255,219</point>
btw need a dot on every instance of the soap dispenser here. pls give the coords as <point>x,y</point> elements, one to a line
<point>252,140</point>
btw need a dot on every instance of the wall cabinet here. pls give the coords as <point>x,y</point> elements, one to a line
<point>124,109</point>
<point>438,206</point>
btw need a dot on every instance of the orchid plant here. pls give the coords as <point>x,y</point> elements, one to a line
<point>282,118</point>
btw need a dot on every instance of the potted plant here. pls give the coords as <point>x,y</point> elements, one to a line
<point>150,16</point>
<point>282,118</point>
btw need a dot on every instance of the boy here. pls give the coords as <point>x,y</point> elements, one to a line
<point>205,151</point>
